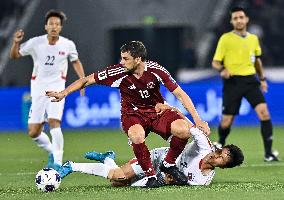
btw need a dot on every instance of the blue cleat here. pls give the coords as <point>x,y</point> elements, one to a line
<point>56,166</point>
<point>50,160</point>
<point>65,169</point>
<point>51,163</point>
<point>100,156</point>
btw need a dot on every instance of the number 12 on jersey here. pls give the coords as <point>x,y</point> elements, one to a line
<point>144,94</point>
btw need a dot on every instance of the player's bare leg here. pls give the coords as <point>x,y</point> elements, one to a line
<point>121,176</point>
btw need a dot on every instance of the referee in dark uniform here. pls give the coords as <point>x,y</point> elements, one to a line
<point>237,58</point>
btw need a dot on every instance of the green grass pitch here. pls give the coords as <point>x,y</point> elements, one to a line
<point>20,159</point>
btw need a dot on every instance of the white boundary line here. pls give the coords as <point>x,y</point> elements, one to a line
<point>276,164</point>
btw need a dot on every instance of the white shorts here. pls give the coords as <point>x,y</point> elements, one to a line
<point>42,108</point>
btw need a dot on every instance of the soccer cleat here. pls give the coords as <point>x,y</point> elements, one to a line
<point>50,160</point>
<point>65,169</point>
<point>179,177</point>
<point>147,182</point>
<point>100,156</point>
<point>51,163</point>
<point>152,182</point>
<point>272,157</point>
<point>56,166</point>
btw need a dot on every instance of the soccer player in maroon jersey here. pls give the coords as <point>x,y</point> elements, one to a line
<point>139,83</point>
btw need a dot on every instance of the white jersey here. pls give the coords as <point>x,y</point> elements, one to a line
<point>50,62</point>
<point>188,161</point>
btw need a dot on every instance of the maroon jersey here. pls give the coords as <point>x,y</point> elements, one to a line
<point>137,94</point>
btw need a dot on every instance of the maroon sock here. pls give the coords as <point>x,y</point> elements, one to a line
<point>143,157</point>
<point>176,147</point>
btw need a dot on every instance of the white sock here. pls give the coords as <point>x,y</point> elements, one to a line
<point>110,162</point>
<point>43,141</point>
<point>57,144</point>
<point>98,169</point>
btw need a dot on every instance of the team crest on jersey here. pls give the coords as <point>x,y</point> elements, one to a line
<point>190,176</point>
<point>150,85</point>
<point>62,53</point>
<point>102,75</point>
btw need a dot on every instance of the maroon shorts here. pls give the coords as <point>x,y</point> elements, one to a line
<point>160,124</point>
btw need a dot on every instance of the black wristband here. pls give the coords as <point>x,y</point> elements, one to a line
<point>262,79</point>
<point>221,69</point>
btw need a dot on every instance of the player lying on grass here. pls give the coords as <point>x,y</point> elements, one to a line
<point>197,161</point>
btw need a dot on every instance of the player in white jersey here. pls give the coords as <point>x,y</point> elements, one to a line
<point>50,54</point>
<point>197,161</point>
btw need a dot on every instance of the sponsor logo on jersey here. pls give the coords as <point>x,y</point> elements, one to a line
<point>150,85</point>
<point>62,53</point>
<point>132,87</point>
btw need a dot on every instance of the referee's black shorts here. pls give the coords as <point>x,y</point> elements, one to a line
<point>237,87</point>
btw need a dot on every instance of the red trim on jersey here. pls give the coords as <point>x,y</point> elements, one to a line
<point>134,160</point>
<point>63,77</point>
<point>33,78</point>
<point>200,163</point>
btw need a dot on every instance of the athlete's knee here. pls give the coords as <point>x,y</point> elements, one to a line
<point>34,131</point>
<point>180,129</point>
<point>262,112</point>
<point>226,121</point>
<point>136,134</point>
<point>54,123</point>
<point>33,134</point>
<point>117,175</point>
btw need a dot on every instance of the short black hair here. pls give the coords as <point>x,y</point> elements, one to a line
<point>236,155</point>
<point>136,49</point>
<point>237,9</point>
<point>54,13</point>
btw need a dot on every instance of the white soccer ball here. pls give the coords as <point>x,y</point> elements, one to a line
<point>47,180</point>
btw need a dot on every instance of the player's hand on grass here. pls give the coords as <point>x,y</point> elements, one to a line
<point>18,36</point>
<point>58,96</point>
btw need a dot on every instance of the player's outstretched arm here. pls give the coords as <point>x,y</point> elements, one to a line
<point>162,107</point>
<point>187,103</point>
<point>14,51</point>
<point>78,67</point>
<point>77,85</point>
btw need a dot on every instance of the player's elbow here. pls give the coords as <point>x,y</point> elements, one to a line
<point>14,55</point>
<point>215,64</point>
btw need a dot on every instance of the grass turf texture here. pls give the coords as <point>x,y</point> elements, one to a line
<point>20,159</point>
